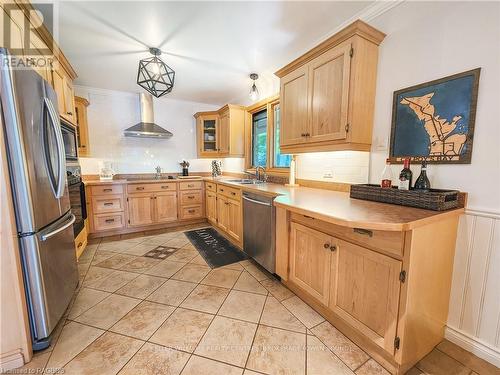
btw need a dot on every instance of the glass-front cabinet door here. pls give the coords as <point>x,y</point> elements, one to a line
<point>208,126</point>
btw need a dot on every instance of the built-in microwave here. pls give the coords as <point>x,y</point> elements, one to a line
<point>70,141</point>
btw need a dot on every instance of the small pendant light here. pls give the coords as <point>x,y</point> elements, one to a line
<point>154,75</point>
<point>254,92</point>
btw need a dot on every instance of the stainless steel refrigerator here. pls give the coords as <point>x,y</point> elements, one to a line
<point>37,166</point>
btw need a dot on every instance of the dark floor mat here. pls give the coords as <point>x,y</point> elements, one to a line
<point>214,248</point>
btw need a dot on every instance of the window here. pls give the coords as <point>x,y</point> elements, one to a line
<point>279,160</point>
<point>262,145</point>
<point>259,139</point>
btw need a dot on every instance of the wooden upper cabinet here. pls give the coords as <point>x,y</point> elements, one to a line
<point>63,87</point>
<point>310,255</point>
<point>364,291</point>
<point>327,95</point>
<point>82,130</point>
<point>293,107</point>
<point>221,133</point>
<point>329,88</point>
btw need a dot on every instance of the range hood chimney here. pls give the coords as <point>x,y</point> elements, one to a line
<point>147,127</point>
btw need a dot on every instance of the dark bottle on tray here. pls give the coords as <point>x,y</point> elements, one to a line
<point>423,183</point>
<point>405,176</point>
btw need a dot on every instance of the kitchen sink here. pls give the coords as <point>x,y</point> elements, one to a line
<point>247,181</point>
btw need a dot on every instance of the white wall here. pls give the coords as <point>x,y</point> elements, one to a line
<point>110,112</point>
<point>427,41</point>
<point>431,40</point>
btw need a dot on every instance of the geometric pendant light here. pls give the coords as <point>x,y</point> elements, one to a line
<point>154,75</point>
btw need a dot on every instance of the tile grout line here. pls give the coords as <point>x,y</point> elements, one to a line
<point>256,329</point>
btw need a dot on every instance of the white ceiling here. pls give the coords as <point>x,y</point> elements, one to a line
<point>212,46</point>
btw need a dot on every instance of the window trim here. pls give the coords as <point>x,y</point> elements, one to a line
<point>265,104</point>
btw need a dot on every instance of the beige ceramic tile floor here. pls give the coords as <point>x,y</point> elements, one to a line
<point>137,315</point>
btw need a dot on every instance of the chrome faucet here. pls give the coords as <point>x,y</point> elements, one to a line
<point>258,174</point>
<point>158,172</point>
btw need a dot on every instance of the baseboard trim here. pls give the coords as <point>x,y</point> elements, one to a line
<point>11,361</point>
<point>473,345</point>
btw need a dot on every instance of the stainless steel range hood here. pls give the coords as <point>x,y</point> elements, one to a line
<point>147,127</point>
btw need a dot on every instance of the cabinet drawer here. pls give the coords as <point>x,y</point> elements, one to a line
<point>190,197</point>
<point>229,192</point>
<point>191,212</point>
<point>190,185</point>
<point>104,222</point>
<point>107,189</point>
<point>387,242</point>
<point>111,203</point>
<point>211,186</point>
<point>146,188</point>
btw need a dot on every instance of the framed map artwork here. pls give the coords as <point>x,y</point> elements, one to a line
<point>434,121</point>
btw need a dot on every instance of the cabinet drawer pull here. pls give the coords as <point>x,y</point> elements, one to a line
<point>326,245</point>
<point>190,185</point>
<point>110,220</point>
<point>233,193</point>
<point>190,196</point>
<point>139,188</point>
<point>165,187</point>
<point>80,244</point>
<point>105,190</point>
<point>191,211</point>
<point>69,113</point>
<point>108,203</point>
<point>221,189</point>
<point>364,232</point>
<point>333,247</point>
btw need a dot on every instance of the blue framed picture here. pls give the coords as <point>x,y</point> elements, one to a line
<point>434,121</point>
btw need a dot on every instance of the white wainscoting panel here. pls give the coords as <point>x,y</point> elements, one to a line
<point>474,318</point>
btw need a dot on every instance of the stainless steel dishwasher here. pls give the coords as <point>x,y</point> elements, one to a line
<point>259,229</point>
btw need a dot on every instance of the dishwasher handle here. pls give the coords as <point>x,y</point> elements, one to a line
<point>258,202</point>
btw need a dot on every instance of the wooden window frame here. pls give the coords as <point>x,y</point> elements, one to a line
<point>265,104</point>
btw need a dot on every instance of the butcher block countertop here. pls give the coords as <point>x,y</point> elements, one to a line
<point>338,208</point>
<point>139,181</point>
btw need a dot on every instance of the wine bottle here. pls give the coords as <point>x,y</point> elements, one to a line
<point>386,180</point>
<point>423,183</point>
<point>405,176</point>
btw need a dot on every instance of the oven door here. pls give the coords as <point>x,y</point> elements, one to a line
<point>70,143</point>
<point>77,198</point>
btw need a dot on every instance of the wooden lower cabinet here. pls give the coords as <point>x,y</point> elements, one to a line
<point>140,209</point>
<point>310,258</point>
<point>211,206</point>
<point>165,205</point>
<point>222,212</point>
<point>388,291</point>
<point>364,291</point>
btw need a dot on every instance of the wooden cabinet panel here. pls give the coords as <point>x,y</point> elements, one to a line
<point>109,189</point>
<point>365,291</point>
<point>191,212</point>
<point>165,207</point>
<point>151,187</point>
<point>234,219</point>
<point>103,222</point>
<point>222,212</point>
<point>231,193</point>
<point>140,209</point>
<point>191,197</point>
<point>329,90</point>
<point>211,186</point>
<point>190,185</point>
<point>58,80</point>
<point>223,134</point>
<point>207,127</point>
<point>294,107</point>
<point>310,256</point>
<point>81,105</point>
<point>211,206</point>
<point>104,203</point>
<point>69,100</point>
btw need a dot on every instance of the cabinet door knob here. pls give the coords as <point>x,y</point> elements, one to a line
<point>326,245</point>
<point>333,247</point>
<point>139,188</point>
<point>69,113</point>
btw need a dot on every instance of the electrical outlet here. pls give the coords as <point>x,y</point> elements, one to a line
<point>327,174</point>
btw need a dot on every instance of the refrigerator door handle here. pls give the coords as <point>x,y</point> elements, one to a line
<point>60,147</point>
<point>72,219</point>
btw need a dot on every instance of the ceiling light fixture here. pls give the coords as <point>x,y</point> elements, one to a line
<point>254,92</point>
<point>154,75</point>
